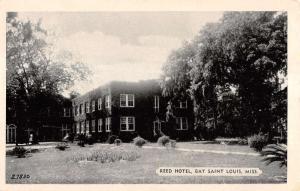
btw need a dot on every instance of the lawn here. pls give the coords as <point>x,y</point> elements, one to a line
<point>54,166</point>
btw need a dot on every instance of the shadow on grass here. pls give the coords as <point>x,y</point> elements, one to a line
<point>27,153</point>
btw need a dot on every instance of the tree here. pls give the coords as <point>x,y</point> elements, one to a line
<point>175,79</point>
<point>74,94</point>
<point>244,54</point>
<point>34,72</point>
<point>253,49</point>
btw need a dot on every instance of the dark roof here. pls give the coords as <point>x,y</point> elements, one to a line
<point>105,87</point>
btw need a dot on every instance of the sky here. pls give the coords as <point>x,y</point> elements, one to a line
<point>127,46</point>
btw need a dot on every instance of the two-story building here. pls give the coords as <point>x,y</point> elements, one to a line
<point>52,120</point>
<point>129,109</point>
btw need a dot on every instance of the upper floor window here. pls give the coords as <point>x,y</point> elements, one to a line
<point>108,124</point>
<point>66,112</point>
<point>156,103</point>
<point>126,100</point>
<point>99,104</point>
<point>81,109</point>
<point>107,101</point>
<point>100,123</point>
<point>183,104</point>
<point>127,123</point>
<point>87,107</point>
<point>182,123</point>
<point>93,105</point>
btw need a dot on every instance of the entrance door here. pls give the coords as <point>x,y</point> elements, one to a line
<point>11,133</point>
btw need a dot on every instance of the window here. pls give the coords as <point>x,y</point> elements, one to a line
<point>156,127</point>
<point>156,103</point>
<point>77,128</point>
<point>66,112</point>
<point>130,100</point>
<point>122,100</point>
<point>82,126</point>
<point>93,125</point>
<point>64,129</point>
<point>108,124</point>
<point>126,100</point>
<point>183,104</point>
<point>93,105</point>
<point>156,124</point>
<point>182,123</point>
<point>107,102</point>
<point>127,123</point>
<point>77,110</point>
<point>87,126</point>
<point>74,128</point>
<point>99,104</point>
<point>81,109</point>
<point>87,107</point>
<point>100,123</point>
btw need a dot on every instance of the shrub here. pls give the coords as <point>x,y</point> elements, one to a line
<point>62,146</point>
<point>163,140</point>
<point>139,141</point>
<point>242,141</point>
<point>20,152</point>
<point>172,143</point>
<point>107,155</point>
<point>275,152</point>
<point>111,139</point>
<point>118,142</point>
<point>81,140</point>
<point>257,142</point>
<point>90,139</point>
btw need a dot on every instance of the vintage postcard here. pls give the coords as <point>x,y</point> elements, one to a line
<point>126,97</point>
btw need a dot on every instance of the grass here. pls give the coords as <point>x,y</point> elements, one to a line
<point>54,166</point>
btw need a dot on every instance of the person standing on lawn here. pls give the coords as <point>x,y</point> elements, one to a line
<point>31,138</point>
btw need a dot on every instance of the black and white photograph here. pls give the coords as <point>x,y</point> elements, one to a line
<point>146,97</point>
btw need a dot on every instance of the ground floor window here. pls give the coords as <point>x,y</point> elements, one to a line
<point>87,126</point>
<point>182,123</point>
<point>64,129</point>
<point>108,124</point>
<point>11,133</point>
<point>127,123</point>
<point>93,125</point>
<point>77,128</point>
<point>82,126</point>
<point>100,123</point>
<point>156,127</point>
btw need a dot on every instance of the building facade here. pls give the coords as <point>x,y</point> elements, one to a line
<point>130,109</point>
<point>51,121</point>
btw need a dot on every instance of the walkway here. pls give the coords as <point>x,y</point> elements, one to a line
<point>206,151</point>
